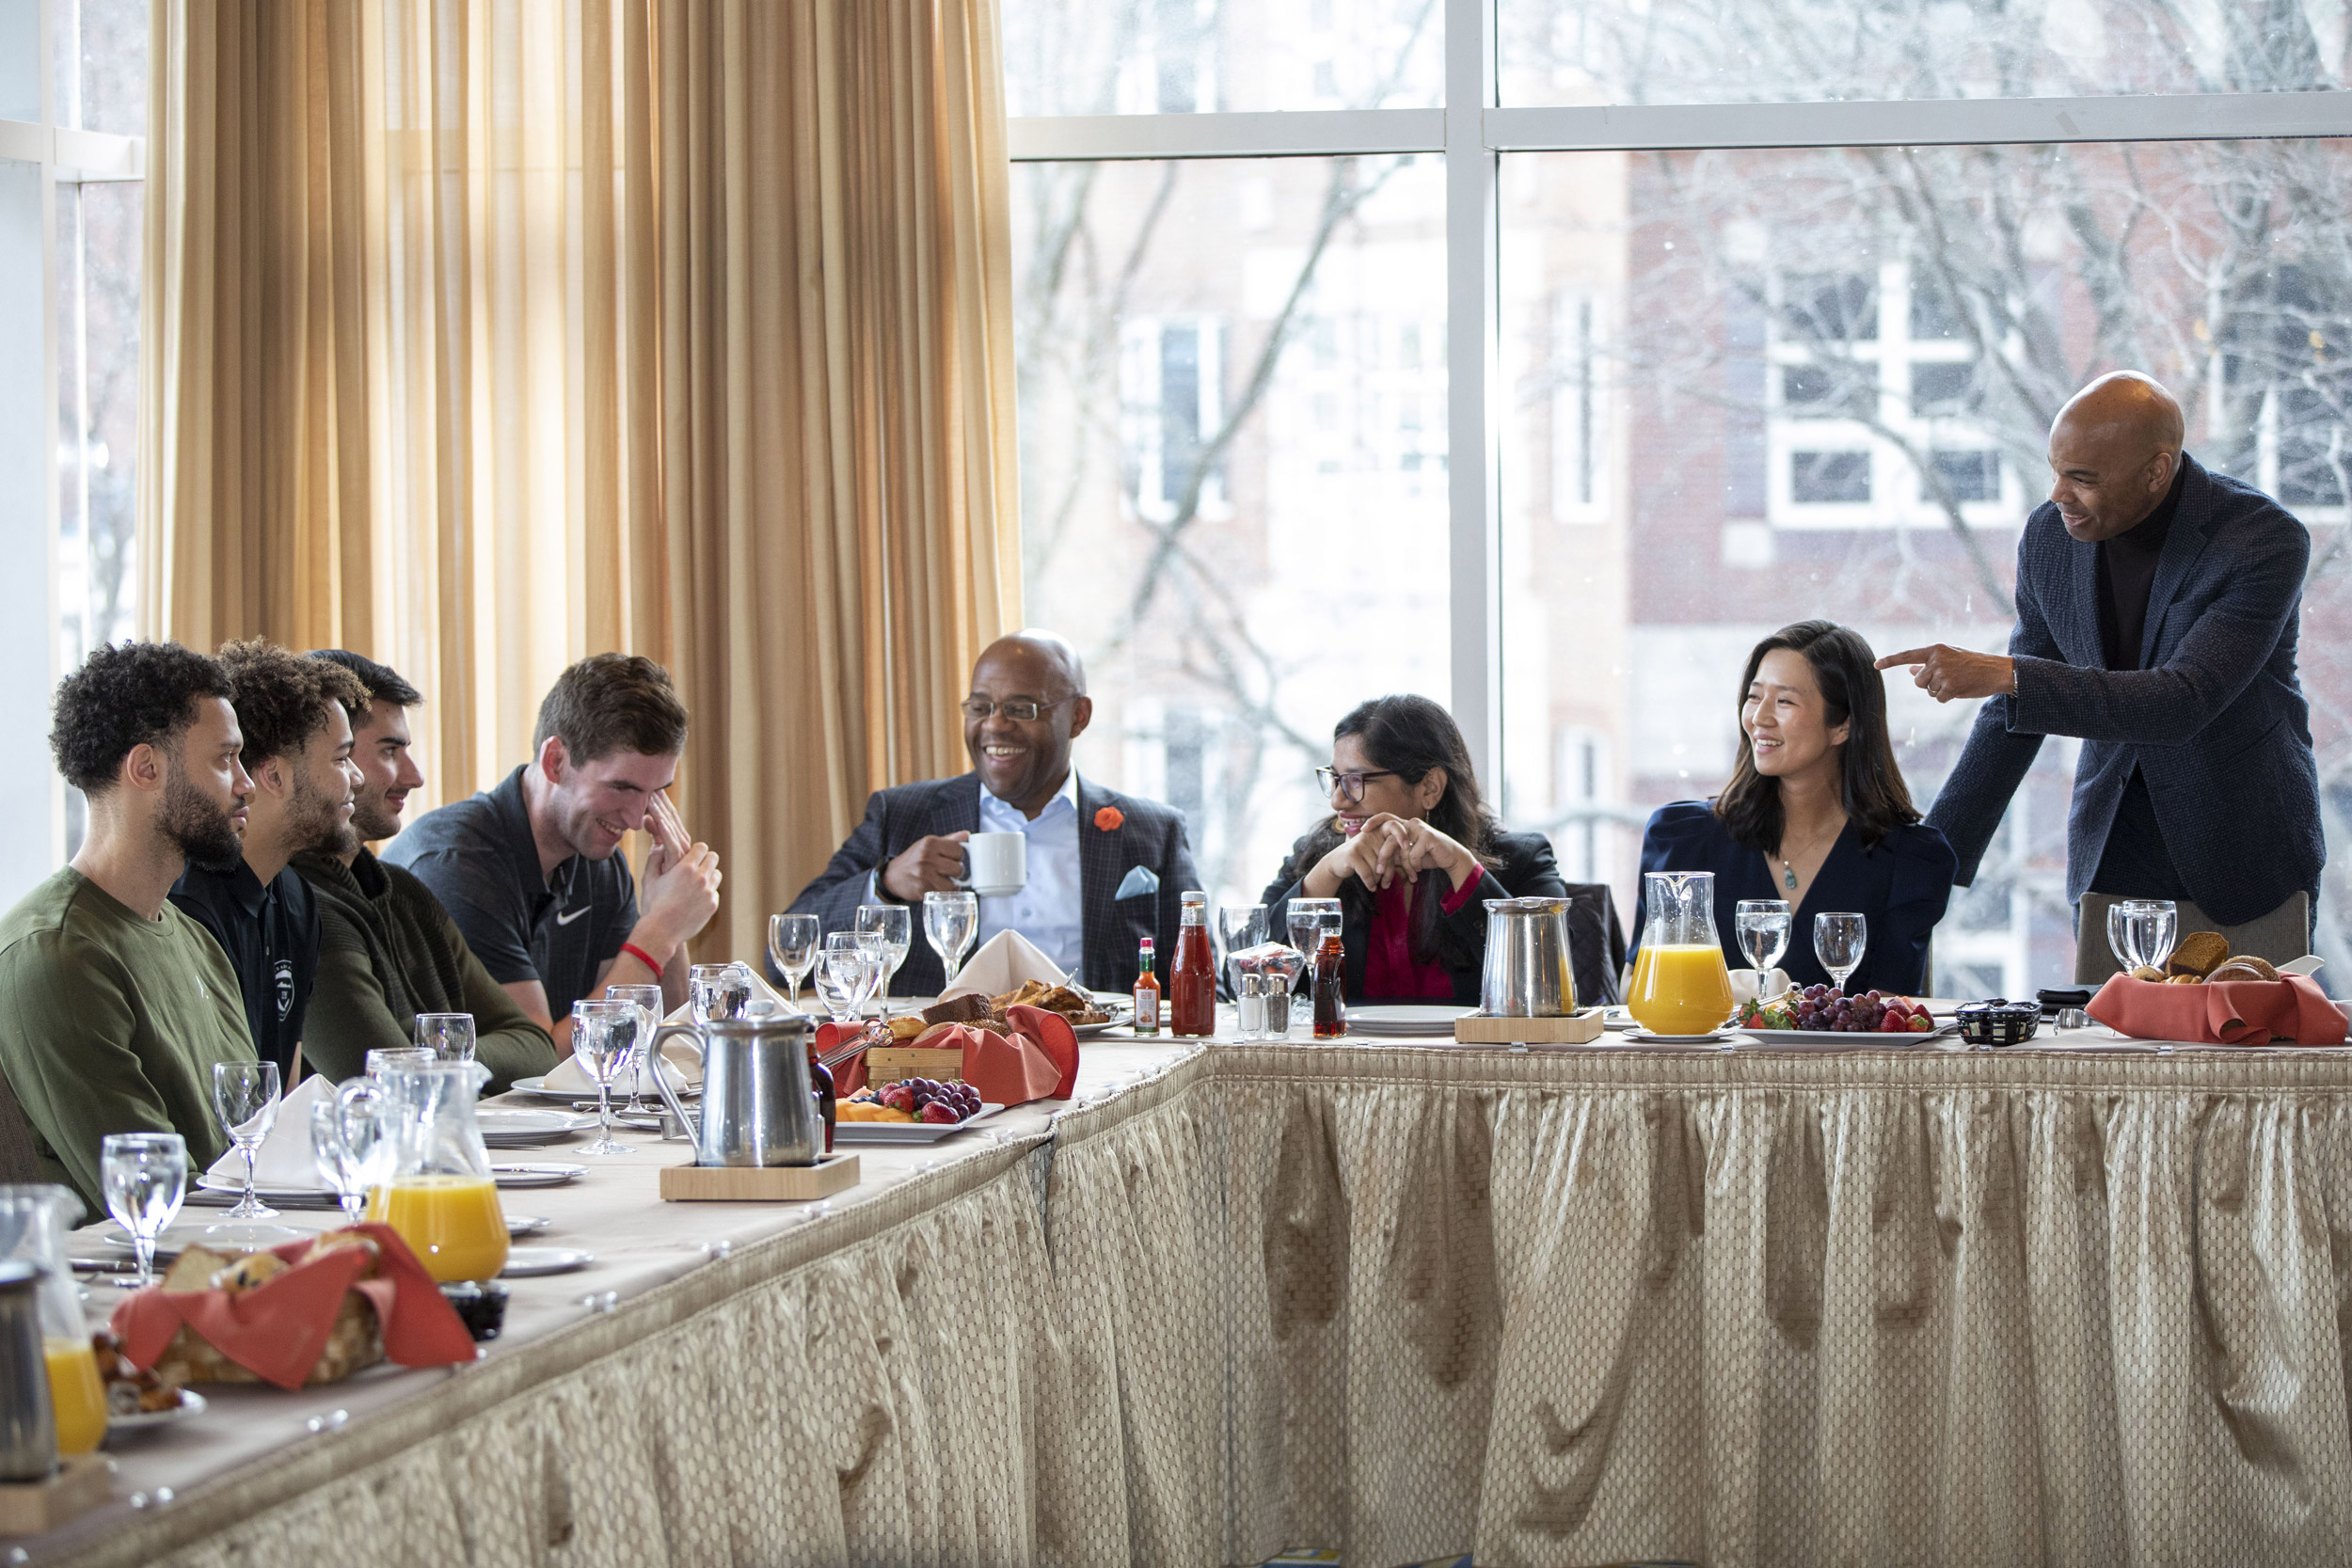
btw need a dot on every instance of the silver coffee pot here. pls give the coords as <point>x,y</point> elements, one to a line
<point>1527,973</point>
<point>28,1430</point>
<point>757,1108</point>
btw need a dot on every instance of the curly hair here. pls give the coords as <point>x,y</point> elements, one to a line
<point>282,698</point>
<point>609,702</point>
<point>126,695</point>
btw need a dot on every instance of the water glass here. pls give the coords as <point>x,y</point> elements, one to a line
<point>393,1055</point>
<point>1309,919</point>
<point>895,924</point>
<point>648,1001</point>
<point>952,922</point>
<point>1838,940</point>
<point>604,1037</point>
<point>792,948</point>
<point>845,975</point>
<point>1242,926</point>
<point>448,1035</point>
<point>2142,931</point>
<point>245,1096</point>
<point>343,1165</point>
<point>718,991</point>
<point>145,1175</point>
<point>1763,928</point>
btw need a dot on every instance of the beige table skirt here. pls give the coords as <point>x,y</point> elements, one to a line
<point>1563,1308</point>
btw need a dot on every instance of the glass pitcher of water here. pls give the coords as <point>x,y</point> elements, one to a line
<point>1681,984</point>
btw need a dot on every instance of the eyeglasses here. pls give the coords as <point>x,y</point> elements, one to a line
<point>1021,710</point>
<point>1350,786</point>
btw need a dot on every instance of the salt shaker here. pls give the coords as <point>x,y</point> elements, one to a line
<point>1252,1006</point>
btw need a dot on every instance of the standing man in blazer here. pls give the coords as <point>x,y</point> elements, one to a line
<point>1105,869</point>
<point>2157,612</point>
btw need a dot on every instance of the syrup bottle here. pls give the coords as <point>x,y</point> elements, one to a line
<point>1330,977</point>
<point>1192,983</point>
<point>1147,1021</point>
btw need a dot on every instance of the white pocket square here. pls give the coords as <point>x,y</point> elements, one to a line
<point>1140,882</point>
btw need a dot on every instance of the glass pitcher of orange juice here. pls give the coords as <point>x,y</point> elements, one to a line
<point>431,1180</point>
<point>1680,983</point>
<point>33,1225</point>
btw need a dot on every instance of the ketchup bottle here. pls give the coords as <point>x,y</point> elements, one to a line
<point>1192,980</point>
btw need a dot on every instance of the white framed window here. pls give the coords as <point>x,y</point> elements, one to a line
<point>1172,376</point>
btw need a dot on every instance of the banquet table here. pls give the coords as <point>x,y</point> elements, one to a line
<point>2077,1301</point>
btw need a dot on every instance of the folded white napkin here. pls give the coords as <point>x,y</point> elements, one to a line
<point>284,1161</point>
<point>1745,988</point>
<point>1005,962</point>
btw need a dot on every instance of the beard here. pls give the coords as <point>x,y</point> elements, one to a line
<point>316,822</point>
<point>199,826</point>
<point>370,820</point>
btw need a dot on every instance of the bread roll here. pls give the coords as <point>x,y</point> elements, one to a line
<point>2145,972</point>
<point>2239,970</point>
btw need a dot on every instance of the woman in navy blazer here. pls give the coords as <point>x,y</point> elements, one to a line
<point>1816,814</point>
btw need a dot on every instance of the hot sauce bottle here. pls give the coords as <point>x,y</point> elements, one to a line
<point>1192,981</point>
<point>1330,975</point>
<point>1147,1020</point>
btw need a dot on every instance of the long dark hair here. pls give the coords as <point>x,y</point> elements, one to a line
<point>1409,736</point>
<point>1853,693</point>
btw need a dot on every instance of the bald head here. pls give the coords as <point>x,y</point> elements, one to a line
<point>2114,450</point>
<point>1023,760</point>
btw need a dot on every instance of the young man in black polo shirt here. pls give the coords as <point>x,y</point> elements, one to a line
<point>297,749</point>
<point>528,869</point>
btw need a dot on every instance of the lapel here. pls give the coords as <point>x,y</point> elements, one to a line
<point>1098,859</point>
<point>2084,649</point>
<point>955,808</point>
<point>2182,546</point>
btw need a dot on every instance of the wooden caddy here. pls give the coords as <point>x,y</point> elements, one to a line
<point>890,1064</point>
<point>759,1183</point>
<point>1577,1028</point>
<point>80,1483</point>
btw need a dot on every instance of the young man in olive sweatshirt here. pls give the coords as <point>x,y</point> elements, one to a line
<point>388,951</point>
<point>115,1005</point>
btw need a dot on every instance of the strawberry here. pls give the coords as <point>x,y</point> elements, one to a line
<point>939,1111</point>
<point>1921,1024</point>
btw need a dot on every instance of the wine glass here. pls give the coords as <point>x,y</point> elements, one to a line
<point>844,976</point>
<point>145,1175</point>
<point>952,922</point>
<point>1308,920</point>
<point>792,948</point>
<point>245,1096</point>
<point>604,1036</point>
<point>389,1056</point>
<point>648,1001</point>
<point>1242,926</point>
<point>1838,940</point>
<point>448,1035</point>
<point>1763,928</point>
<point>895,924</point>
<point>2142,931</point>
<point>343,1165</point>
<point>718,991</point>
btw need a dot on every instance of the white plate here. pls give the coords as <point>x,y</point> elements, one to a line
<point>536,1088</point>
<point>525,1262</point>
<point>526,1225</point>
<point>535,1174</point>
<point>1404,1018</point>
<point>191,1403</point>
<point>1830,1040</point>
<point>1638,1035</point>
<point>506,1129</point>
<point>301,1197</point>
<point>906,1132</point>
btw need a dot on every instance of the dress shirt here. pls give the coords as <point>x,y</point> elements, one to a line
<point>1390,971</point>
<point>1047,909</point>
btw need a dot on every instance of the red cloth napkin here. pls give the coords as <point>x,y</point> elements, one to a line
<point>2290,1011</point>
<point>277,1330</point>
<point>1036,1060</point>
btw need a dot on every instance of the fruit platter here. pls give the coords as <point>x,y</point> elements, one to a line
<point>913,1109</point>
<point>1824,1015</point>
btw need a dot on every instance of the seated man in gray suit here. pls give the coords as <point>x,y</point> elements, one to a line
<point>2157,610</point>
<point>1105,869</point>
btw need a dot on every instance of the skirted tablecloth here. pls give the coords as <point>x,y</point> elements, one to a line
<point>1988,1307</point>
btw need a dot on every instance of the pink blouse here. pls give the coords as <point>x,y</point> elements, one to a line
<point>1389,967</point>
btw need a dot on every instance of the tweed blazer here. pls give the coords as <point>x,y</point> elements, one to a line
<point>1148,835</point>
<point>2214,718</point>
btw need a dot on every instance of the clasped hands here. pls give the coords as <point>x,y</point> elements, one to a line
<point>1951,674</point>
<point>682,875</point>
<point>1390,848</point>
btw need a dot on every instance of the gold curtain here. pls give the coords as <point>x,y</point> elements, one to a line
<point>483,336</point>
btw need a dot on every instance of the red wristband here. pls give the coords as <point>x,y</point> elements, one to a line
<point>642,957</point>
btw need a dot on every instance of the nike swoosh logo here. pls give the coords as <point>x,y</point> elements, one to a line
<point>568,917</point>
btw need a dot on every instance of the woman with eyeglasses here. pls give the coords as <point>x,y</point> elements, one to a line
<point>1411,853</point>
<point>1816,814</point>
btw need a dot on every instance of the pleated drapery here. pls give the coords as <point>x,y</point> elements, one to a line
<point>483,336</point>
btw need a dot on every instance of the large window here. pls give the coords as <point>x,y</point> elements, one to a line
<point>72,121</point>
<point>1716,314</point>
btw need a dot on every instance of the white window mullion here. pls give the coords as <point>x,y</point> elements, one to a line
<point>1473,354</point>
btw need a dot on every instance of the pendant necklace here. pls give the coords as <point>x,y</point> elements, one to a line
<point>1789,872</point>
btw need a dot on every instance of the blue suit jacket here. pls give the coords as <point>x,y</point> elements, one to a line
<point>1152,835</point>
<point>2214,718</point>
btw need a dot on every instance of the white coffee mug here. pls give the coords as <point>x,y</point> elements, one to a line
<point>995,864</point>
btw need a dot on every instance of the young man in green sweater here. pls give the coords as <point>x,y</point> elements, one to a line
<point>115,1005</point>
<point>388,951</point>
